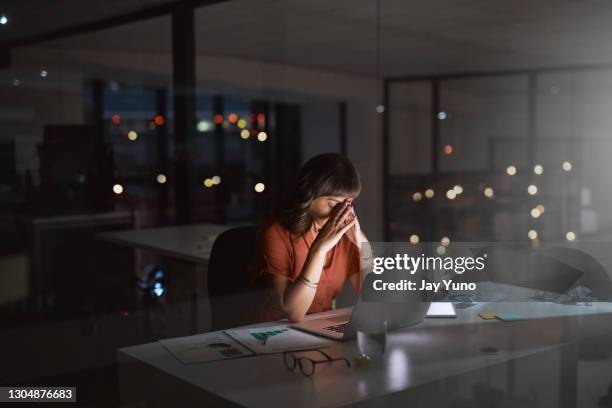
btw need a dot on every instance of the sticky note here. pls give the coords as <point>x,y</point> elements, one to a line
<point>488,315</point>
<point>508,317</point>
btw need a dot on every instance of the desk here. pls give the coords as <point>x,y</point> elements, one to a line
<point>190,243</point>
<point>431,364</point>
<point>187,243</point>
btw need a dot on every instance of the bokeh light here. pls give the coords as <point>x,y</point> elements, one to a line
<point>204,126</point>
<point>532,189</point>
<point>260,187</point>
<point>538,169</point>
<point>566,166</point>
<point>159,120</point>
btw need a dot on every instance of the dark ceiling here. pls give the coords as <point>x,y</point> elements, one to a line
<point>416,37</point>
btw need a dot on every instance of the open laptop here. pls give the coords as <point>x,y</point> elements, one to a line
<point>411,309</point>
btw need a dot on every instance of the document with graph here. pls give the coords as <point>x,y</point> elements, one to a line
<point>204,347</point>
<point>274,339</point>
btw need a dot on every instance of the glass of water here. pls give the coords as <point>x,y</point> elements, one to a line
<point>372,339</point>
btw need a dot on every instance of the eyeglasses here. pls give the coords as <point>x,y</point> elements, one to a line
<point>307,365</point>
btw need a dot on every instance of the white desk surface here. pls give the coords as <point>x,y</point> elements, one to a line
<point>191,243</point>
<point>422,354</point>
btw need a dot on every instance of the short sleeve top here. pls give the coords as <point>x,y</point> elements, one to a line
<point>284,255</point>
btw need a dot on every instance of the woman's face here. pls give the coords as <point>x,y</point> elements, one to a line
<point>321,207</point>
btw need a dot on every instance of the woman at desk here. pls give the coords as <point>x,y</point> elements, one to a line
<point>313,247</point>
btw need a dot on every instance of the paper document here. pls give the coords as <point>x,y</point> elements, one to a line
<point>441,309</point>
<point>274,339</point>
<point>205,347</point>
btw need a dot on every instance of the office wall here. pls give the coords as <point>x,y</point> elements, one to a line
<point>320,128</point>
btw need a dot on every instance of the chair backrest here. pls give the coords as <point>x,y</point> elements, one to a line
<point>231,290</point>
<point>594,275</point>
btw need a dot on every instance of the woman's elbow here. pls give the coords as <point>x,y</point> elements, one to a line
<point>295,317</point>
<point>292,311</point>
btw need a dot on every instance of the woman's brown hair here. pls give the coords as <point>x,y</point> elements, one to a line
<point>328,174</point>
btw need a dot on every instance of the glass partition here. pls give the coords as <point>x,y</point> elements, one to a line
<point>521,157</point>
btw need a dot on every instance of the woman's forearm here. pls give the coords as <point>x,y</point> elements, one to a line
<point>361,239</point>
<point>298,296</point>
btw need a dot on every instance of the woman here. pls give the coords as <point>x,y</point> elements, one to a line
<point>314,246</point>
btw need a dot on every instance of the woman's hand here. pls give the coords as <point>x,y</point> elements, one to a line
<point>341,219</point>
<point>355,233</point>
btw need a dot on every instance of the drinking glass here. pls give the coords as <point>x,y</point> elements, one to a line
<point>372,339</point>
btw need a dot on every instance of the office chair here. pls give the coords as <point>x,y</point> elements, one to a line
<point>232,294</point>
<point>595,277</point>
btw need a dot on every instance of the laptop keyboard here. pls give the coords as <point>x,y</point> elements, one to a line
<point>337,328</point>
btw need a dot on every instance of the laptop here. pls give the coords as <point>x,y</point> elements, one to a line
<point>410,310</point>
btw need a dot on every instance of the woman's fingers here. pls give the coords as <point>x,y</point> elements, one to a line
<point>352,217</point>
<point>346,227</point>
<point>338,209</point>
<point>342,215</point>
<point>342,220</point>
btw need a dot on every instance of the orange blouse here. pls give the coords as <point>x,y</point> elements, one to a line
<point>284,254</point>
